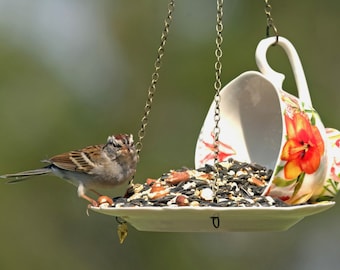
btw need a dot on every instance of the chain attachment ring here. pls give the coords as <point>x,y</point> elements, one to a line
<point>270,22</point>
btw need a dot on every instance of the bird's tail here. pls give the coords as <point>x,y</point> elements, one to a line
<point>17,177</point>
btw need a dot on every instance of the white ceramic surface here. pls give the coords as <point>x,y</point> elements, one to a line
<point>199,219</point>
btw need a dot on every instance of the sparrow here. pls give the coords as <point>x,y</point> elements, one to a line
<point>98,166</point>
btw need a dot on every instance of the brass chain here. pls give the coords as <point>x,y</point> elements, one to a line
<point>217,86</point>
<point>270,21</point>
<point>122,229</point>
<point>154,77</point>
<point>218,71</point>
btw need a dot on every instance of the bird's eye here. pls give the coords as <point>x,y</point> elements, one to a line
<point>119,141</point>
<point>116,144</point>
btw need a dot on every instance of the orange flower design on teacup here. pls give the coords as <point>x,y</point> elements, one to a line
<point>224,152</point>
<point>302,164</point>
<point>304,146</point>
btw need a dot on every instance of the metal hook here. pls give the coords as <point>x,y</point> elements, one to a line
<point>275,32</point>
<point>270,22</point>
<point>122,229</point>
<point>215,221</point>
<point>120,221</point>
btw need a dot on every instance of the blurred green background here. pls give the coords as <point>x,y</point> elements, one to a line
<point>73,72</point>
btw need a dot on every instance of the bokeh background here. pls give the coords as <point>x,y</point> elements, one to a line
<point>72,72</point>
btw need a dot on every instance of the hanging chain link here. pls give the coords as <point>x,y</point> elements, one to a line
<point>154,78</point>
<point>217,86</point>
<point>218,71</point>
<point>270,21</point>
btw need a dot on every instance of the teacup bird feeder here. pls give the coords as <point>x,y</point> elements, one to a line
<point>251,121</point>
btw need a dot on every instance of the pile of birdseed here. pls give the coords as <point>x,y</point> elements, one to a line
<point>228,184</point>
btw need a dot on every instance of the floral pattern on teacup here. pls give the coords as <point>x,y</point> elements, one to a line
<point>304,146</point>
<point>224,150</point>
<point>301,153</point>
<point>332,184</point>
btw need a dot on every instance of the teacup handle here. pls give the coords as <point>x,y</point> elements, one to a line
<point>277,78</point>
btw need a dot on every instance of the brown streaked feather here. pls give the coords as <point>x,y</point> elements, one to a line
<point>78,160</point>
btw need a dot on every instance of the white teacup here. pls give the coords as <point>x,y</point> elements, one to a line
<point>261,123</point>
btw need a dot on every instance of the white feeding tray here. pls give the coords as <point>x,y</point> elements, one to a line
<point>213,219</point>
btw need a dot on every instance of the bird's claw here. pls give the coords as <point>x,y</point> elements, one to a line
<point>90,205</point>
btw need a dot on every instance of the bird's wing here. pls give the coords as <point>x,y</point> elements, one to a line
<point>82,160</point>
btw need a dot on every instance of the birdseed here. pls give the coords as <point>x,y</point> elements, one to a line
<point>238,184</point>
